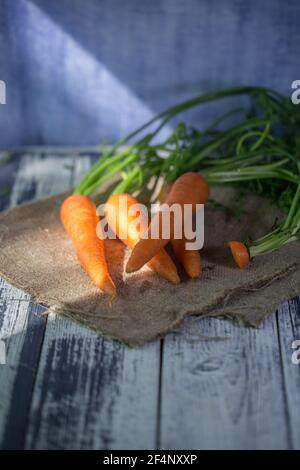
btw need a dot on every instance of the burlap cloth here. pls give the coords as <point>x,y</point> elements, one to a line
<point>37,256</point>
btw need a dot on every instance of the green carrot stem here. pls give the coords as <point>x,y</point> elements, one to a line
<point>99,168</point>
<point>116,169</point>
<point>294,206</point>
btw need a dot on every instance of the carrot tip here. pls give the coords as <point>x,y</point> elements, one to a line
<point>129,269</point>
<point>194,276</point>
<point>174,278</point>
<point>240,253</point>
<point>109,288</point>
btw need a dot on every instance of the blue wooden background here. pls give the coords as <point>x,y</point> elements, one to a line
<point>79,72</point>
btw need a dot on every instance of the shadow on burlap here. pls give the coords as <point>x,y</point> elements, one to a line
<point>37,256</point>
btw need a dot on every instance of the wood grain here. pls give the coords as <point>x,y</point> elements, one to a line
<point>226,393</point>
<point>21,323</point>
<point>92,393</point>
<point>289,331</point>
<point>22,330</point>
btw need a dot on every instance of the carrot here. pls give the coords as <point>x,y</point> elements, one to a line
<point>240,253</point>
<point>122,224</point>
<point>190,259</point>
<point>189,188</point>
<point>79,218</point>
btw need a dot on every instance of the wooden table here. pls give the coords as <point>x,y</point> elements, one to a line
<point>212,384</point>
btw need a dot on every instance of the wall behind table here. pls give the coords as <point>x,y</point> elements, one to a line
<point>79,72</point>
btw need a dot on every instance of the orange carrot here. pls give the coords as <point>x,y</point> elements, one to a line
<point>240,253</point>
<point>79,217</point>
<point>190,259</point>
<point>121,221</point>
<point>189,188</point>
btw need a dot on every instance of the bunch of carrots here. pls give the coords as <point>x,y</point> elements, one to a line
<point>80,219</point>
<point>259,152</point>
<point>254,147</point>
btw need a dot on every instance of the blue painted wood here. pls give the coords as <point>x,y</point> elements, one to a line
<point>9,164</point>
<point>22,324</point>
<point>92,392</point>
<point>23,371</point>
<point>21,327</point>
<point>227,392</point>
<point>288,318</point>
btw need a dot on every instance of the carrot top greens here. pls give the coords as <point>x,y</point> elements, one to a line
<point>261,152</point>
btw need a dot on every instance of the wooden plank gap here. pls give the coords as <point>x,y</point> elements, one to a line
<point>159,397</point>
<point>287,407</point>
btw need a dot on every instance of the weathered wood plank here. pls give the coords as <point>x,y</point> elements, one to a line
<point>223,394</point>
<point>23,330</point>
<point>21,323</point>
<point>9,164</point>
<point>90,392</point>
<point>289,331</point>
<point>15,319</point>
